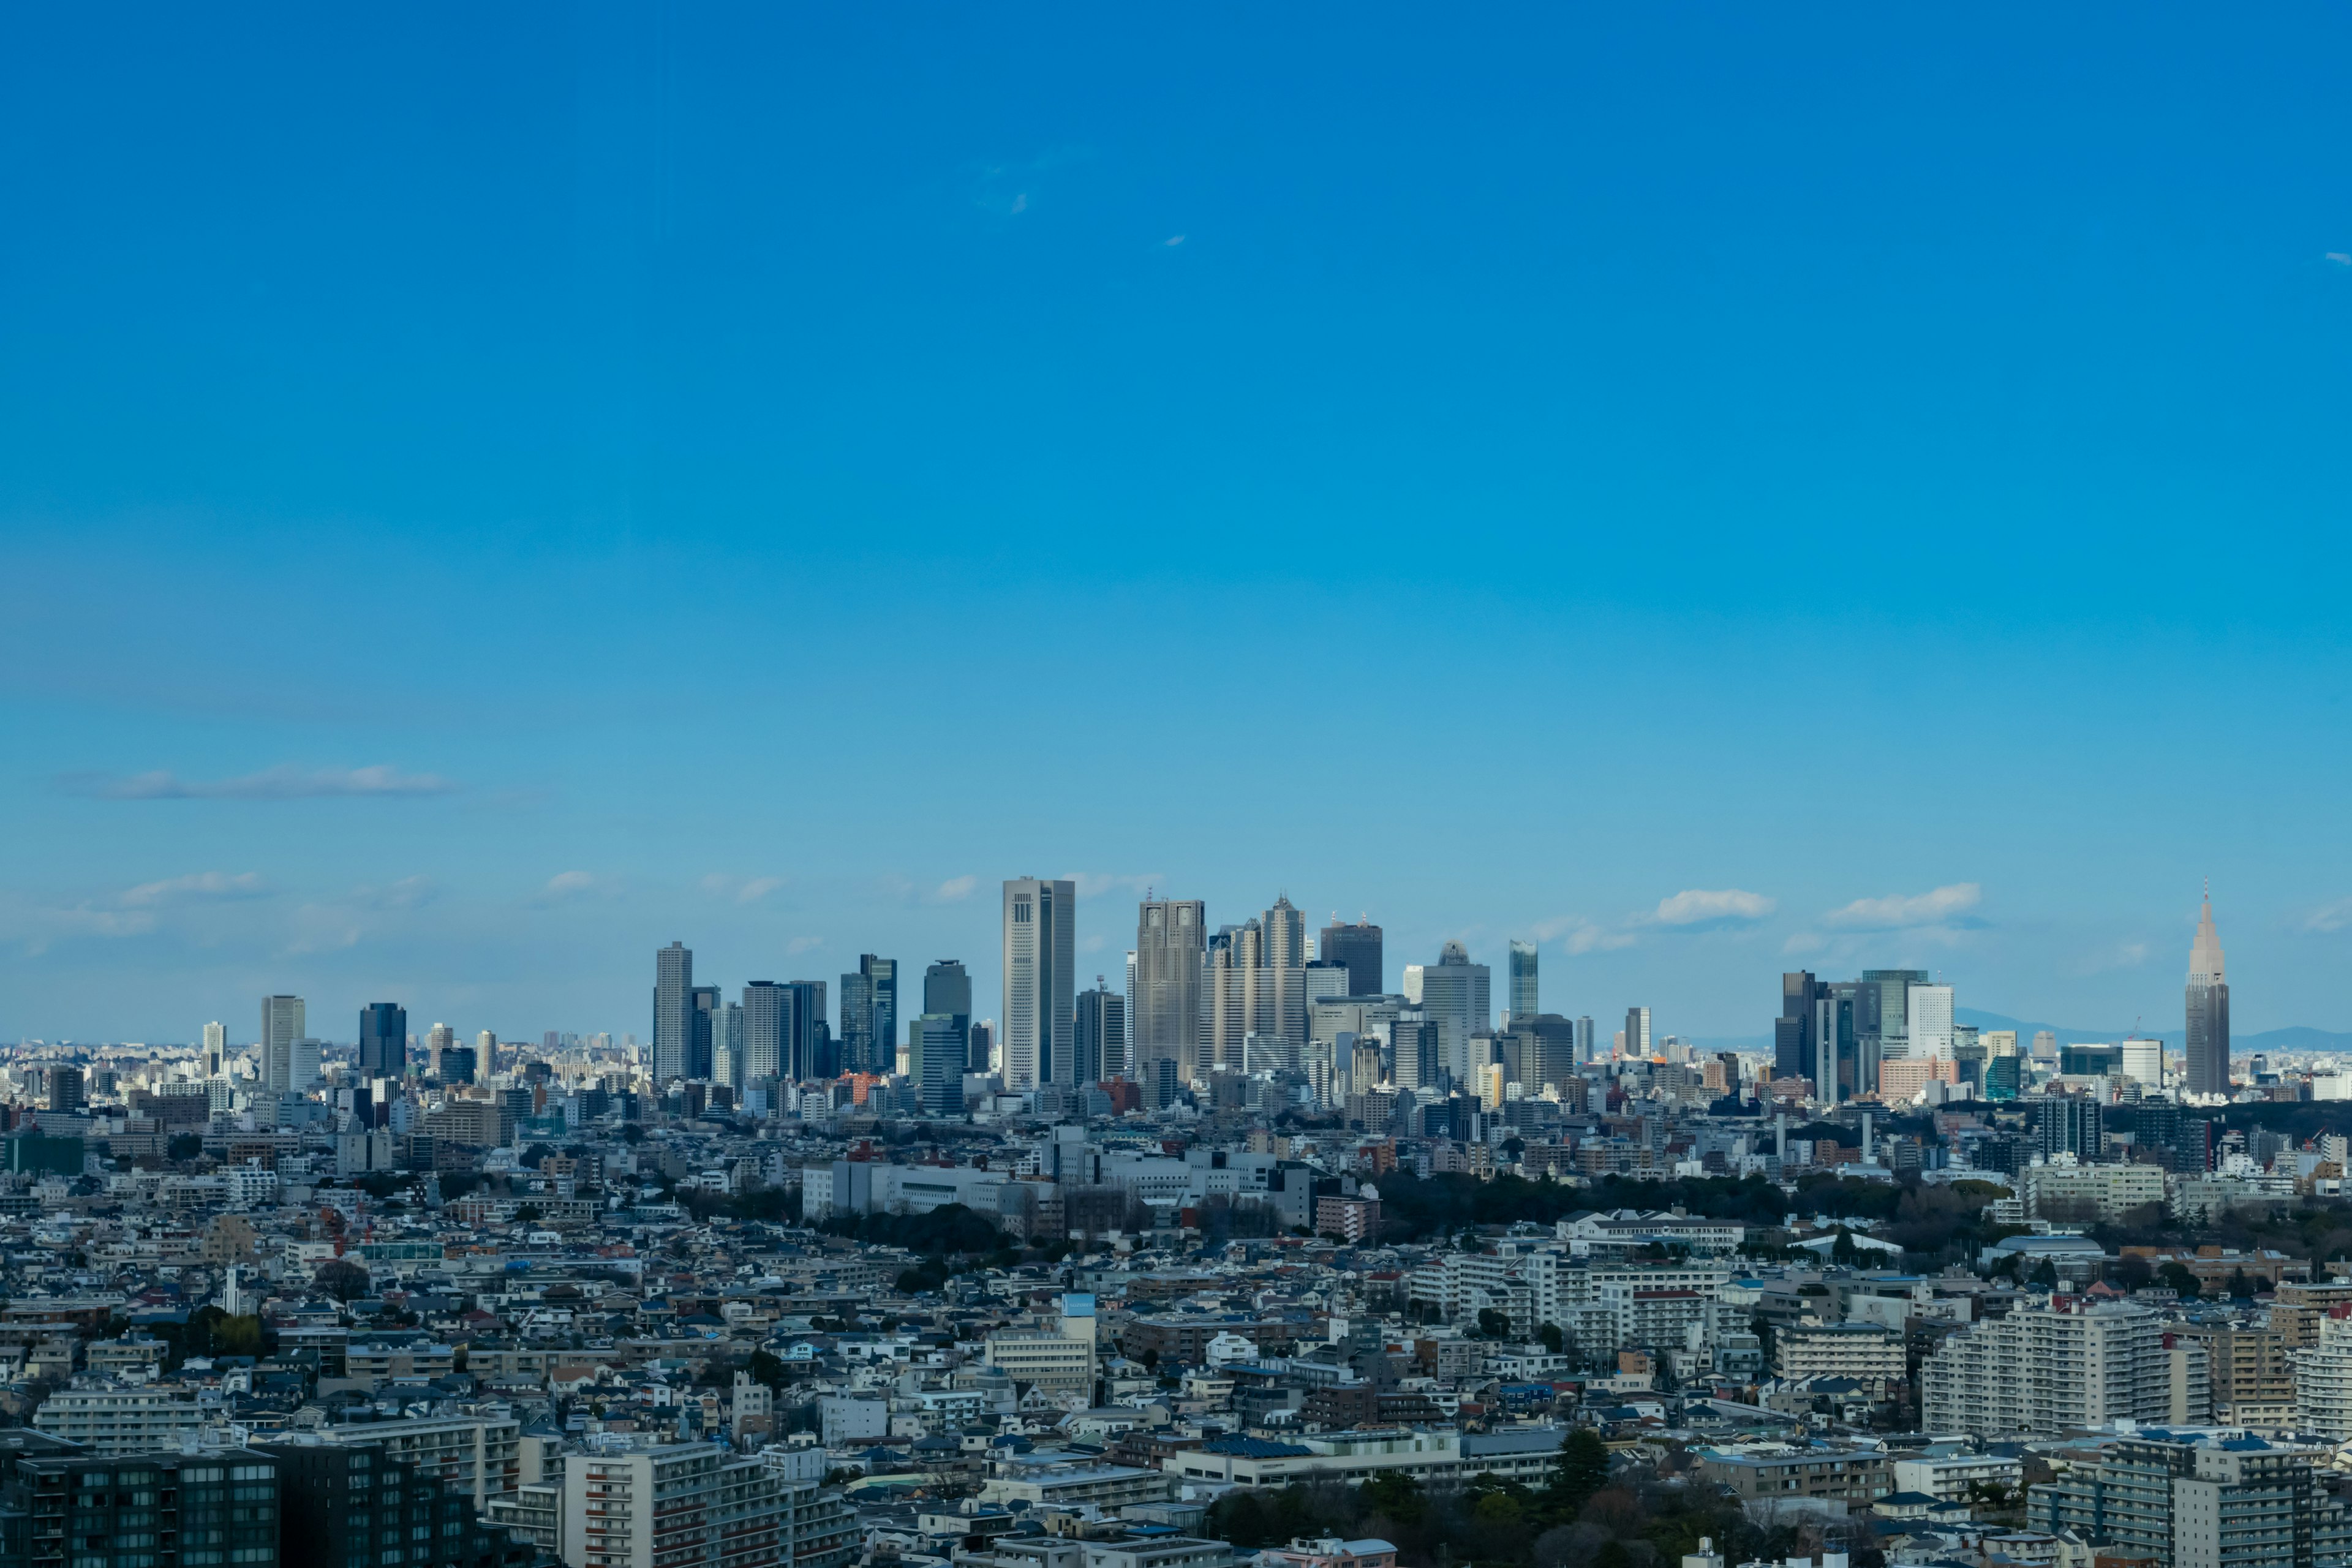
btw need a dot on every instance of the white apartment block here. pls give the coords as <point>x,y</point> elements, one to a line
<point>480,1456</point>
<point>683,1505</point>
<point>1947,1478</point>
<point>2066,1190</point>
<point>2323,1382</point>
<point>1058,1360</point>
<point>2049,1367</point>
<point>120,1420</point>
<point>1865,1350</point>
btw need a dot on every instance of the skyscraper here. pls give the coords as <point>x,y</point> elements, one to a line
<point>673,1011</point>
<point>857,1047</point>
<point>438,1038</point>
<point>1881,1016</point>
<point>384,1040</point>
<point>727,1045</point>
<point>284,1020</point>
<point>809,1050</point>
<point>1041,952</point>
<point>1358,947</point>
<point>1457,996</point>
<point>1279,997</point>
<point>2208,1009</point>
<point>939,1041</point>
<point>703,1038</point>
<point>1928,1020</point>
<point>882,996</point>
<point>215,1048</point>
<point>767,1009</point>
<point>1522,1004</point>
<point>946,989</point>
<point>1171,948</point>
<point>1637,1033</point>
<point>1792,1031</point>
<point>1099,1034</point>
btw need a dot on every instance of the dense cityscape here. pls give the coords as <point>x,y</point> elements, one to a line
<point>1253,1255</point>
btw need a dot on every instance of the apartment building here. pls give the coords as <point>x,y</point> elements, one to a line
<point>1060,1360</point>
<point>2198,1499</point>
<point>680,1505</point>
<point>2047,1367</point>
<point>120,1420</point>
<point>2253,1380</point>
<point>479,1457</point>
<point>1870,1351</point>
<point>1777,1471</point>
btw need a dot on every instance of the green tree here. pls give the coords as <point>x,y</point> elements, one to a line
<point>1396,1495</point>
<point>1552,1338</point>
<point>2183,1282</point>
<point>1843,1250</point>
<point>184,1145</point>
<point>1495,1325</point>
<point>341,1278</point>
<point>766,1367</point>
<point>1581,1470</point>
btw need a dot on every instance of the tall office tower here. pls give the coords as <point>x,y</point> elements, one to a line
<point>1457,996</point>
<point>303,1063</point>
<point>1637,1033</point>
<point>2046,1045</point>
<point>1838,1069</point>
<point>215,1048</point>
<point>1928,1020</point>
<point>384,1040</point>
<point>1522,1005</point>
<point>1358,947</point>
<point>64,1089</point>
<point>673,1010</point>
<point>767,1013</point>
<point>858,1051</point>
<point>938,1059</point>
<point>458,1065</point>
<point>947,988</point>
<point>1882,1021</point>
<point>1279,1009</point>
<point>1172,939</point>
<point>1416,1051</point>
<point>2208,1009</point>
<point>1543,1050</point>
<point>1792,1031</point>
<point>727,1045</point>
<point>438,1038</point>
<point>1041,952</point>
<point>882,990</point>
<point>1328,980</point>
<point>704,1039</point>
<point>284,1020</point>
<point>1226,995</point>
<point>1099,1036</point>
<point>1130,1000</point>
<point>486,1051</point>
<point>982,1050</point>
<point>1584,1039</point>
<point>808,1049</point>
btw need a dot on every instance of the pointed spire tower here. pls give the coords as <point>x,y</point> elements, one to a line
<point>2208,1008</point>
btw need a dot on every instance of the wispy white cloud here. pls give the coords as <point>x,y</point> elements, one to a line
<point>742,890</point>
<point>1694,908</point>
<point>276,784</point>
<point>567,885</point>
<point>956,887</point>
<point>199,885</point>
<point>2341,258</point>
<point>1174,241</point>
<point>804,943</point>
<point>1589,938</point>
<point>2327,919</point>
<point>1945,906</point>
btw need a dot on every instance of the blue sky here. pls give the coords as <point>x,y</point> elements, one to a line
<point>487,494</point>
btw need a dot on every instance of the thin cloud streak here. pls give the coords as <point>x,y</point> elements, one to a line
<point>275,783</point>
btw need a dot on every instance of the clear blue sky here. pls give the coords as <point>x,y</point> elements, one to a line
<point>737,475</point>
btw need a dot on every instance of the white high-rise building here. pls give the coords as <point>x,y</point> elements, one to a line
<point>1041,954</point>
<point>2049,1368</point>
<point>284,1020</point>
<point>215,1048</point>
<point>1929,1012</point>
<point>1457,996</point>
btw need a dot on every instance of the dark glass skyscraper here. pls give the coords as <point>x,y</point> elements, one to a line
<point>882,979</point>
<point>702,1035</point>
<point>384,1040</point>
<point>1098,1047</point>
<point>1358,947</point>
<point>1792,1032</point>
<point>2208,1009</point>
<point>1521,1003</point>
<point>869,1015</point>
<point>857,1052</point>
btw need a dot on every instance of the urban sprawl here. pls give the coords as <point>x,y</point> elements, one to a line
<point>1250,1257</point>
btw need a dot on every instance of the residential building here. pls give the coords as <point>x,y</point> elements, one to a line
<point>120,1420</point>
<point>1948,1478</point>
<point>2216,1498</point>
<point>2046,1367</point>
<point>1863,1350</point>
<point>2253,1378</point>
<point>477,1457</point>
<point>2322,1379</point>
<point>162,1508</point>
<point>333,1497</point>
<point>2066,1190</point>
<point>1040,988</point>
<point>672,1505</point>
<point>1774,1472</point>
<point>673,1012</point>
<point>1061,1360</point>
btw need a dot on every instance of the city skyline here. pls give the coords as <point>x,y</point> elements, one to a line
<point>1713,402</point>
